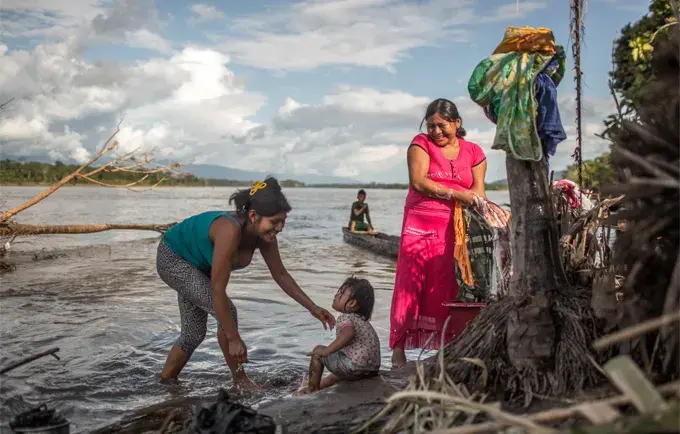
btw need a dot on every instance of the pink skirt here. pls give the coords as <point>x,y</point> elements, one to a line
<point>425,279</point>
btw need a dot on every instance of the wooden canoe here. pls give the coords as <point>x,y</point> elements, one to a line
<point>379,243</point>
<point>480,249</point>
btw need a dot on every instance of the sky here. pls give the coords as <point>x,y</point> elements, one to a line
<point>335,87</point>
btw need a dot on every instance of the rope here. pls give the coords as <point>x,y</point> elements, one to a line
<point>577,29</point>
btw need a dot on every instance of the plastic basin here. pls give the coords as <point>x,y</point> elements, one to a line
<point>461,314</point>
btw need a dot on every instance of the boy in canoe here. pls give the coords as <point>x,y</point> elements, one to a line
<point>356,217</point>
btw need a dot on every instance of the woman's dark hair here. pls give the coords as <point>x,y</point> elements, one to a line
<point>448,111</point>
<point>361,291</point>
<point>265,198</point>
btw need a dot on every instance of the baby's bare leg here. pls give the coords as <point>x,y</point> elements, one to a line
<point>315,372</point>
<point>328,381</point>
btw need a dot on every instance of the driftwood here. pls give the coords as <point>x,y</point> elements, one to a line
<point>18,230</point>
<point>13,365</point>
<point>139,164</point>
<point>131,162</point>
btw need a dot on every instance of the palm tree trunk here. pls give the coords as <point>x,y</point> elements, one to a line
<point>537,269</point>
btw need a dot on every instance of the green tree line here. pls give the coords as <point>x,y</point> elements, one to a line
<point>35,173</point>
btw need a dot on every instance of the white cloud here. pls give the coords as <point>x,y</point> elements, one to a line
<point>366,158</point>
<point>364,133</point>
<point>188,104</point>
<point>182,105</point>
<point>46,18</point>
<point>514,9</point>
<point>369,33</point>
<point>21,128</point>
<point>192,107</point>
<point>143,38</point>
<point>205,12</point>
<point>92,21</point>
<point>594,111</point>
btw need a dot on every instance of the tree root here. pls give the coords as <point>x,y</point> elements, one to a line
<point>573,368</point>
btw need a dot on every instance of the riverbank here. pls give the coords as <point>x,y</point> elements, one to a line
<point>340,407</point>
<point>334,410</point>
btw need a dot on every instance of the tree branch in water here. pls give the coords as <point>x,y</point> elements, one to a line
<point>130,162</point>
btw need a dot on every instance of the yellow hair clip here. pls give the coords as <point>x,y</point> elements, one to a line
<point>259,185</point>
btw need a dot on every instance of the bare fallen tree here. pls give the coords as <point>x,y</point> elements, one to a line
<point>140,165</point>
<point>131,162</point>
<point>17,229</point>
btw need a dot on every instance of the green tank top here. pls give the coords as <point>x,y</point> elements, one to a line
<point>190,238</point>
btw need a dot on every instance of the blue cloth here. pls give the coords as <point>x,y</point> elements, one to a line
<point>190,238</point>
<point>548,122</point>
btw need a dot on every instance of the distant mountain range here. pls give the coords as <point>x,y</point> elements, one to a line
<point>559,174</point>
<point>215,171</point>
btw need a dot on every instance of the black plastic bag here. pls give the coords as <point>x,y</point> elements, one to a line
<point>227,417</point>
<point>40,417</point>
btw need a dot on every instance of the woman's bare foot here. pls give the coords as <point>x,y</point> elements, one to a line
<point>247,384</point>
<point>241,381</point>
<point>301,392</point>
<point>398,358</point>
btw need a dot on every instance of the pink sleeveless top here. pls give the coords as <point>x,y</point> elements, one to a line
<point>455,174</point>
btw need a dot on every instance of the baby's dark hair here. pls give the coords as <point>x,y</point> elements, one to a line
<point>265,198</point>
<point>361,192</point>
<point>361,291</point>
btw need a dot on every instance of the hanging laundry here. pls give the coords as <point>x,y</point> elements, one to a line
<point>504,85</point>
<point>497,221</point>
<point>527,40</point>
<point>460,251</point>
<point>548,120</point>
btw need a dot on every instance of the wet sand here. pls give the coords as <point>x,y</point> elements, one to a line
<point>342,406</point>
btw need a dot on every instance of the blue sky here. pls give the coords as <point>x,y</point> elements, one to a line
<point>334,88</point>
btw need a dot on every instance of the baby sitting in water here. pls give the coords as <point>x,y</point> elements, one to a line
<point>355,352</point>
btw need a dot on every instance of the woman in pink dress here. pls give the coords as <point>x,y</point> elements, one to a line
<point>443,168</point>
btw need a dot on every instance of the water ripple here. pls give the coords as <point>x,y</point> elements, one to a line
<point>114,320</point>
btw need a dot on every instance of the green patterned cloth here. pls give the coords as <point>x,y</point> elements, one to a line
<point>506,83</point>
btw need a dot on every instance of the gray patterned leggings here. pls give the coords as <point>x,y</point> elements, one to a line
<point>193,296</point>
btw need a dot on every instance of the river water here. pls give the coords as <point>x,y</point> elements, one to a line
<point>98,298</point>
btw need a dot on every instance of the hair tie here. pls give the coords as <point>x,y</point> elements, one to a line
<point>257,185</point>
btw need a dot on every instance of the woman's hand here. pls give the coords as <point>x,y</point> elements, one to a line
<point>237,350</point>
<point>466,197</point>
<point>324,316</point>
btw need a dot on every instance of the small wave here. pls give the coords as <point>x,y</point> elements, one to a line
<point>258,300</point>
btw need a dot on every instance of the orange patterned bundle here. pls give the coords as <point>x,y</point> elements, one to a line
<point>527,40</point>
<point>460,251</point>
